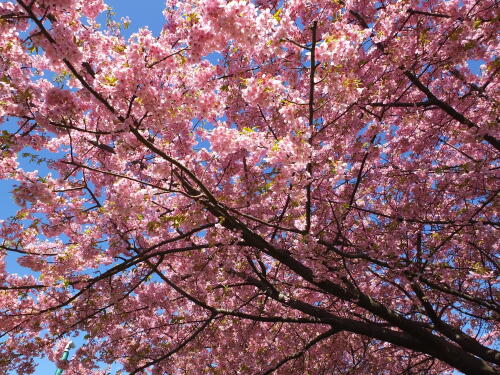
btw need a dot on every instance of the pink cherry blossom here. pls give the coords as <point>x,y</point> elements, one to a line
<point>323,199</point>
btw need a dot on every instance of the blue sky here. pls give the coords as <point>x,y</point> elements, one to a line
<point>141,13</point>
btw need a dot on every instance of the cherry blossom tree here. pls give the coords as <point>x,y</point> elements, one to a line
<point>289,187</point>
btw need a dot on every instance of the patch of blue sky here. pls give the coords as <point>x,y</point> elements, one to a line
<point>215,58</point>
<point>141,13</point>
<point>475,66</point>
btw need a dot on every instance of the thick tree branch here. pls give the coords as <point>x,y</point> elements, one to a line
<point>449,109</point>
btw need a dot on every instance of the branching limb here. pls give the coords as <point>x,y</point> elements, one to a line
<point>190,338</point>
<point>302,351</point>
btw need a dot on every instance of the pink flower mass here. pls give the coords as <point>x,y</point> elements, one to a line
<point>264,187</point>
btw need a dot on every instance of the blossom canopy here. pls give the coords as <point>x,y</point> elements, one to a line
<point>288,187</point>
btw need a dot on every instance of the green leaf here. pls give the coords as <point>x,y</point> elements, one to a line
<point>110,80</point>
<point>277,15</point>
